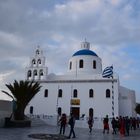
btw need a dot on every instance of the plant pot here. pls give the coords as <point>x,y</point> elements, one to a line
<point>17,123</point>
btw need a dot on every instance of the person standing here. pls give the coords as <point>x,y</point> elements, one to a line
<point>72,124</point>
<point>63,121</point>
<point>90,123</point>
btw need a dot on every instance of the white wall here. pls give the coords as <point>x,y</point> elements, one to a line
<point>5,110</point>
<point>101,105</point>
<point>88,65</point>
<point>127,102</point>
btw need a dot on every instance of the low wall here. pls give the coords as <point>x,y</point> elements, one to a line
<point>82,123</point>
<point>3,115</point>
<point>5,111</point>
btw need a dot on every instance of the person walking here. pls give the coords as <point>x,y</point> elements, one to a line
<point>127,125</point>
<point>72,124</point>
<point>90,123</point>
<point>114,125</point>
<point>134,123</point>
<point>63,121</point>
<point>122,126</point>
<point>106,124</point>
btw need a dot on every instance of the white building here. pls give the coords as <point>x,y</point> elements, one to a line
<point>6,108</point>
<point>82,90</point>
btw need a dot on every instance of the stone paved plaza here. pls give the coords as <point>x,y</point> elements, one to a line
<point>81,133</point>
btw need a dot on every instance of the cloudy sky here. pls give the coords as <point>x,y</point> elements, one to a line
<point>59,26</point>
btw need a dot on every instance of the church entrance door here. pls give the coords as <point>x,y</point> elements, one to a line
<point>76,112</point>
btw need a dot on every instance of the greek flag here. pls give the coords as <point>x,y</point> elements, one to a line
<point>107,72</point>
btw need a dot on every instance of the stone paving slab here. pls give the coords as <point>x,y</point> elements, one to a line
<point>81,133</point>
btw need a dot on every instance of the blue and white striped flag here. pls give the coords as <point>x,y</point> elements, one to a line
<point>107,72</point>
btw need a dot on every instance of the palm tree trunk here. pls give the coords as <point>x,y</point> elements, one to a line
<point>19,112</point>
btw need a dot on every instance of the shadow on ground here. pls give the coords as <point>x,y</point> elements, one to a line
<point>47,136</point>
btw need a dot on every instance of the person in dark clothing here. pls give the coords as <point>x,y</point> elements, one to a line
<point>117,124</point>
<point>114,125</point>
<point>90,123</point>
<point>63,121</point>
<point>137,122</point>
<point>71,123</point>
<point>127,125</point>
<point>131,127</point>
<point>134,123</point>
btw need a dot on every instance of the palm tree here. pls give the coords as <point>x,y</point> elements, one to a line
<point>22,93</point>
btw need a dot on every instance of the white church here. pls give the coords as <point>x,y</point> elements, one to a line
<point>82,90</point>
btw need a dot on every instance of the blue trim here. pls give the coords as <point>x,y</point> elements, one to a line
<point>85,52</point>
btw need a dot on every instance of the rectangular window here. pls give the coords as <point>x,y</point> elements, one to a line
<point>70,65</point>
<point>108,93</point>
<point>81,63</point>
<point>46,93</point>
<point>91,93</point>
<point>94,64</point>
<point>60,93</point>
<point>75,93</point>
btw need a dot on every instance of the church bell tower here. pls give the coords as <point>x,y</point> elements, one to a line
<point>37,70</point>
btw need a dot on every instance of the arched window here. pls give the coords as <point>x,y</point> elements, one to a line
<point>75,93</point>
<point>59,111</point>
<point>91,93</point>
<point>39,61</point>
<point>108,93</point>
<point>70,65</point>
<point>35,72</point>
<point>46,93</point>
<point>33,61</point>
<point>94,64</point>
<point>31,109</point>
<point>91,112</point>
<point>29,73</point>
<point>41,72</point>
<point>81,63</point>
<point>37,51</point>
<point>60,93</point>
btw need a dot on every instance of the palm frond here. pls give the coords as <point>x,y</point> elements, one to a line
<point>22,92</point>
<point>8,94</point>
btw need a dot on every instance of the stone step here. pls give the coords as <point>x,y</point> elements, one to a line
<point>37,122</point>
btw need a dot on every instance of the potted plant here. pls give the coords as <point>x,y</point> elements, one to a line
<point>21,92</point>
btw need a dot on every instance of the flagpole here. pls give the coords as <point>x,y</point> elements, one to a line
<point>108,73</point>
<point>112,94</point>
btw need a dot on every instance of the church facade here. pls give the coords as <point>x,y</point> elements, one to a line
<point>82,90</point>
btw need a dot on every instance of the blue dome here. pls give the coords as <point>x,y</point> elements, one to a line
<point>85,52</point>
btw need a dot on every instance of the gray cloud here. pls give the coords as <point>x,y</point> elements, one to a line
<point>59,27</point>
